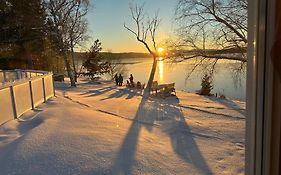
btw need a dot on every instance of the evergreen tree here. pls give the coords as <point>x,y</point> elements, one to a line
<point>22,38</point>
<point>206,84</point>
<point>94,64</point>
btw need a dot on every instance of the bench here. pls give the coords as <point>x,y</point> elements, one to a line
<point>165,88</point>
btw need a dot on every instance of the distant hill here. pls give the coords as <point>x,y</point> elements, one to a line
<point>125,55</point>
<point>120,55</point>
<point>216,51</point>
<point>117,55</point>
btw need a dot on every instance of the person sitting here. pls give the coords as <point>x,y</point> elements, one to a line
<point>138,85</point>
<point>132,80</point>
<point>128,84</point>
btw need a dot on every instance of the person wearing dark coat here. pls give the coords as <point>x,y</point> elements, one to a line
<point>132,80</point>
<point>120,80</point>
<point>116,79</point>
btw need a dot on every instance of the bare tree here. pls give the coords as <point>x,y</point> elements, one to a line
<point>62,14</point>
<point>78,29</point>
<point>211,30</point>
<point>145,28</point>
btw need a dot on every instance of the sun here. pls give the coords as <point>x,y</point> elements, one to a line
<point>160,50</point>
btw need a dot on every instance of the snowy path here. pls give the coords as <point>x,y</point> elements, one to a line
<point>102,129</point>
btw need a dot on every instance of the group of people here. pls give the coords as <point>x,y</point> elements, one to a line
<point>130,82</point>
<point>118,79</point>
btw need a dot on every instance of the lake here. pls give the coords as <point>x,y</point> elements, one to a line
<point>224,81</point>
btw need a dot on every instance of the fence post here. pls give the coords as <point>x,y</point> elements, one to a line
<point>54,91</point>
<point>31,94</point>
<point>44,89</point>
<point>13,102</point>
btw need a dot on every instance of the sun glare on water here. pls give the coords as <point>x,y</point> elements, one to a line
<point>161,71</point>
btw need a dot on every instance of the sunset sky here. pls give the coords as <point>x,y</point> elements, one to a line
<point>107,17</point>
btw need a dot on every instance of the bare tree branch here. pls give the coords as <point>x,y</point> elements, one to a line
<point>210,30</point>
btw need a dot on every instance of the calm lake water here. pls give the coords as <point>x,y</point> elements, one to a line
<point>224,80</point>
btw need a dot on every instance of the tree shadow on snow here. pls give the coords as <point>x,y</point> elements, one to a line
<point>125,158</point>
<point>228,103</point>
<point>174,124</point>
<point>123,92</point>
<point>9,157</point>
<point>97,92</point>
<point>168,114</point>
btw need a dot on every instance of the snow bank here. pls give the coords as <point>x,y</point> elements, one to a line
<point>98,128</point>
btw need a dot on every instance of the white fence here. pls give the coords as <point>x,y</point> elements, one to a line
<point>22,90</point>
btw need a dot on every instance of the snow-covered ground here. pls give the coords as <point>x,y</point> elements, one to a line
<point>98,128</point>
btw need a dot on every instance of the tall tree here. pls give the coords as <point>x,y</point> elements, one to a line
<point>78,29</point>
<point>145,27</point>
<point>21,37</point>
<point>62,14</point>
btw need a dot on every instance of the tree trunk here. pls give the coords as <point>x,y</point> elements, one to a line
<point>73,64</point>
<point>151,77</point>
<point>69,71</point>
